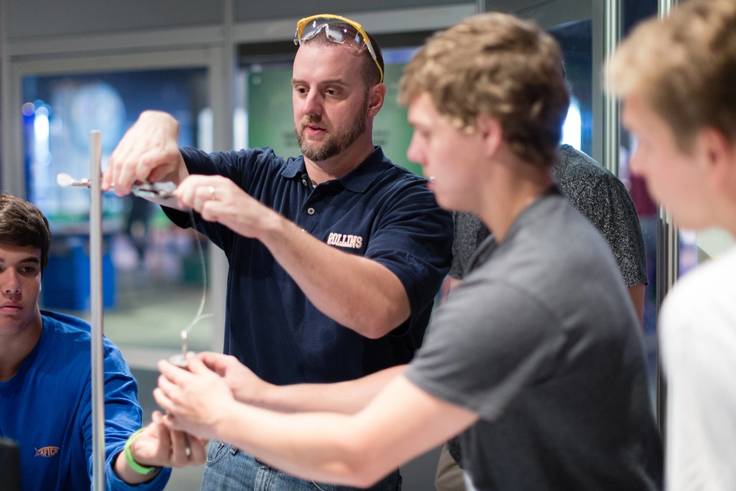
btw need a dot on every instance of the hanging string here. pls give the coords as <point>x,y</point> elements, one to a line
<point>199,315</point>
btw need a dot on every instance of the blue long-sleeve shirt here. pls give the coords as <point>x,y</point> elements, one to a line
<point>47,409</point>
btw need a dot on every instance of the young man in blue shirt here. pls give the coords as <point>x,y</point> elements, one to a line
<point>335,256</point>
<point>45,401</point>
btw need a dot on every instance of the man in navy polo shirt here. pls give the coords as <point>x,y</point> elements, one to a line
<point>335,256</point>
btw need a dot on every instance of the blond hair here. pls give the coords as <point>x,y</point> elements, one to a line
<point>683,67</point>
<point>499,66</point>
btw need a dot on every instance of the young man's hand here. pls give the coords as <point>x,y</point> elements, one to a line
<point>246,386</point>
<point>159,446</point>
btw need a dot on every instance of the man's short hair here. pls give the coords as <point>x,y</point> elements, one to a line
<point>683,67</point>
<point>369,71</point>
<point>23,225</point>
<point>499,66</point>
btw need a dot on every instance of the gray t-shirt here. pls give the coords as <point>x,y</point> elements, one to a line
<point>542,342</point>
<point>597,194</point>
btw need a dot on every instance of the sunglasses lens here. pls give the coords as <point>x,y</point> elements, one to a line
<point>337,32</point>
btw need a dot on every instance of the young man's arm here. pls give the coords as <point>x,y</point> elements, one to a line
<point>402,421</point>
<point>342,397</point>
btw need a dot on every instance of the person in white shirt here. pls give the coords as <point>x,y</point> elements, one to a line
<point>677,79</point>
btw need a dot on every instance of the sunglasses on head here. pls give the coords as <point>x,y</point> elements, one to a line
<point>337,29</point>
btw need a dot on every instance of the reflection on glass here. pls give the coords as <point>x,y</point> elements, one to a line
<point>576,41</point>
<point>634,11</point>
<point>151,269</point>
<point>572,128</point>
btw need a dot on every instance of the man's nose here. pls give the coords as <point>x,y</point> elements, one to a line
<point>313,104</point>
<point>10,284</point>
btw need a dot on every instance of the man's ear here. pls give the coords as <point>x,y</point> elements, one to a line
<point>716,153</point>
<point>491,133</point>
<point>376,96</point>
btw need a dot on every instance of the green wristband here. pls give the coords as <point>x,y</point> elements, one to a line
<point>137,468</point>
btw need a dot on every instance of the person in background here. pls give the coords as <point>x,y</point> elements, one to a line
<point>536,358</point>
<point>677,79</point>
<point>334,256</point>
<point>45,396</point>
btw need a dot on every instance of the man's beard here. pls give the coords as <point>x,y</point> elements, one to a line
<point>333,144</point>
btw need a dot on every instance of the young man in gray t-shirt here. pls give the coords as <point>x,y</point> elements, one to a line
<point>536,359</point>
<point>600,197</point>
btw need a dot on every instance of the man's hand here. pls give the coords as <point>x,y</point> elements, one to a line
<point>159,446</point>
<point>218,199</point>
<point>149,151</point>
<point>194,400</point>
<point>246,386</point>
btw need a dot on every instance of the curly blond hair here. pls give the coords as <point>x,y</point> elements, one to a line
<point>500,66</point>
<point>683,67</point>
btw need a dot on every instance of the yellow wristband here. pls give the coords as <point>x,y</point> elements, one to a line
<point>137,468</point>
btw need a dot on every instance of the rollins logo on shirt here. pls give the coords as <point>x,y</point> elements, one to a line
<point>345,240</point>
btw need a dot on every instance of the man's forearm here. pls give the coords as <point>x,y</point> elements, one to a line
<point>310,445</point>
<point>343,397</point>
<point>400,422</point>
<point>353,290</point>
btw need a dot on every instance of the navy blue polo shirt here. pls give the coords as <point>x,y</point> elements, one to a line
<point>379,210</point>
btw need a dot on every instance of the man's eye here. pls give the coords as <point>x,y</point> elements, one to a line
<point>28,270</point>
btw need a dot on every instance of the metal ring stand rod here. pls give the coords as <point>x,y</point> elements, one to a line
<point>97,350</point>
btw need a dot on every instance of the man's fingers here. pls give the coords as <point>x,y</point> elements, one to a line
<point>175,374</point>
<point>214,361</point>
<point>180,449</point>
<point>163,402</point>
<point>195,365</point>
<point>199,451</point>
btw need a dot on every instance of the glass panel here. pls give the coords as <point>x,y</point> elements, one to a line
<point>633,12</point>
<point>576,41</point>
<point>152,271</point>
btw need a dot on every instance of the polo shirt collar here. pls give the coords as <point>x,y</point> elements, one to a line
<point>293,168</point>
<point>356,180</point>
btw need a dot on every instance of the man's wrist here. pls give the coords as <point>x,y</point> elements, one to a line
<point>271,227</point>
<point>219,429</point>
<point>133,463</point>
<point>260,395</point>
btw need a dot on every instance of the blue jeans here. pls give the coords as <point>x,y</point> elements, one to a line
<point>229,469</point>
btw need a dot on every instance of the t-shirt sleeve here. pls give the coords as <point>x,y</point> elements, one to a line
<point>413,239</point>
<point>122,418</point>
<point>609,207</point>
<point>486,343</point>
